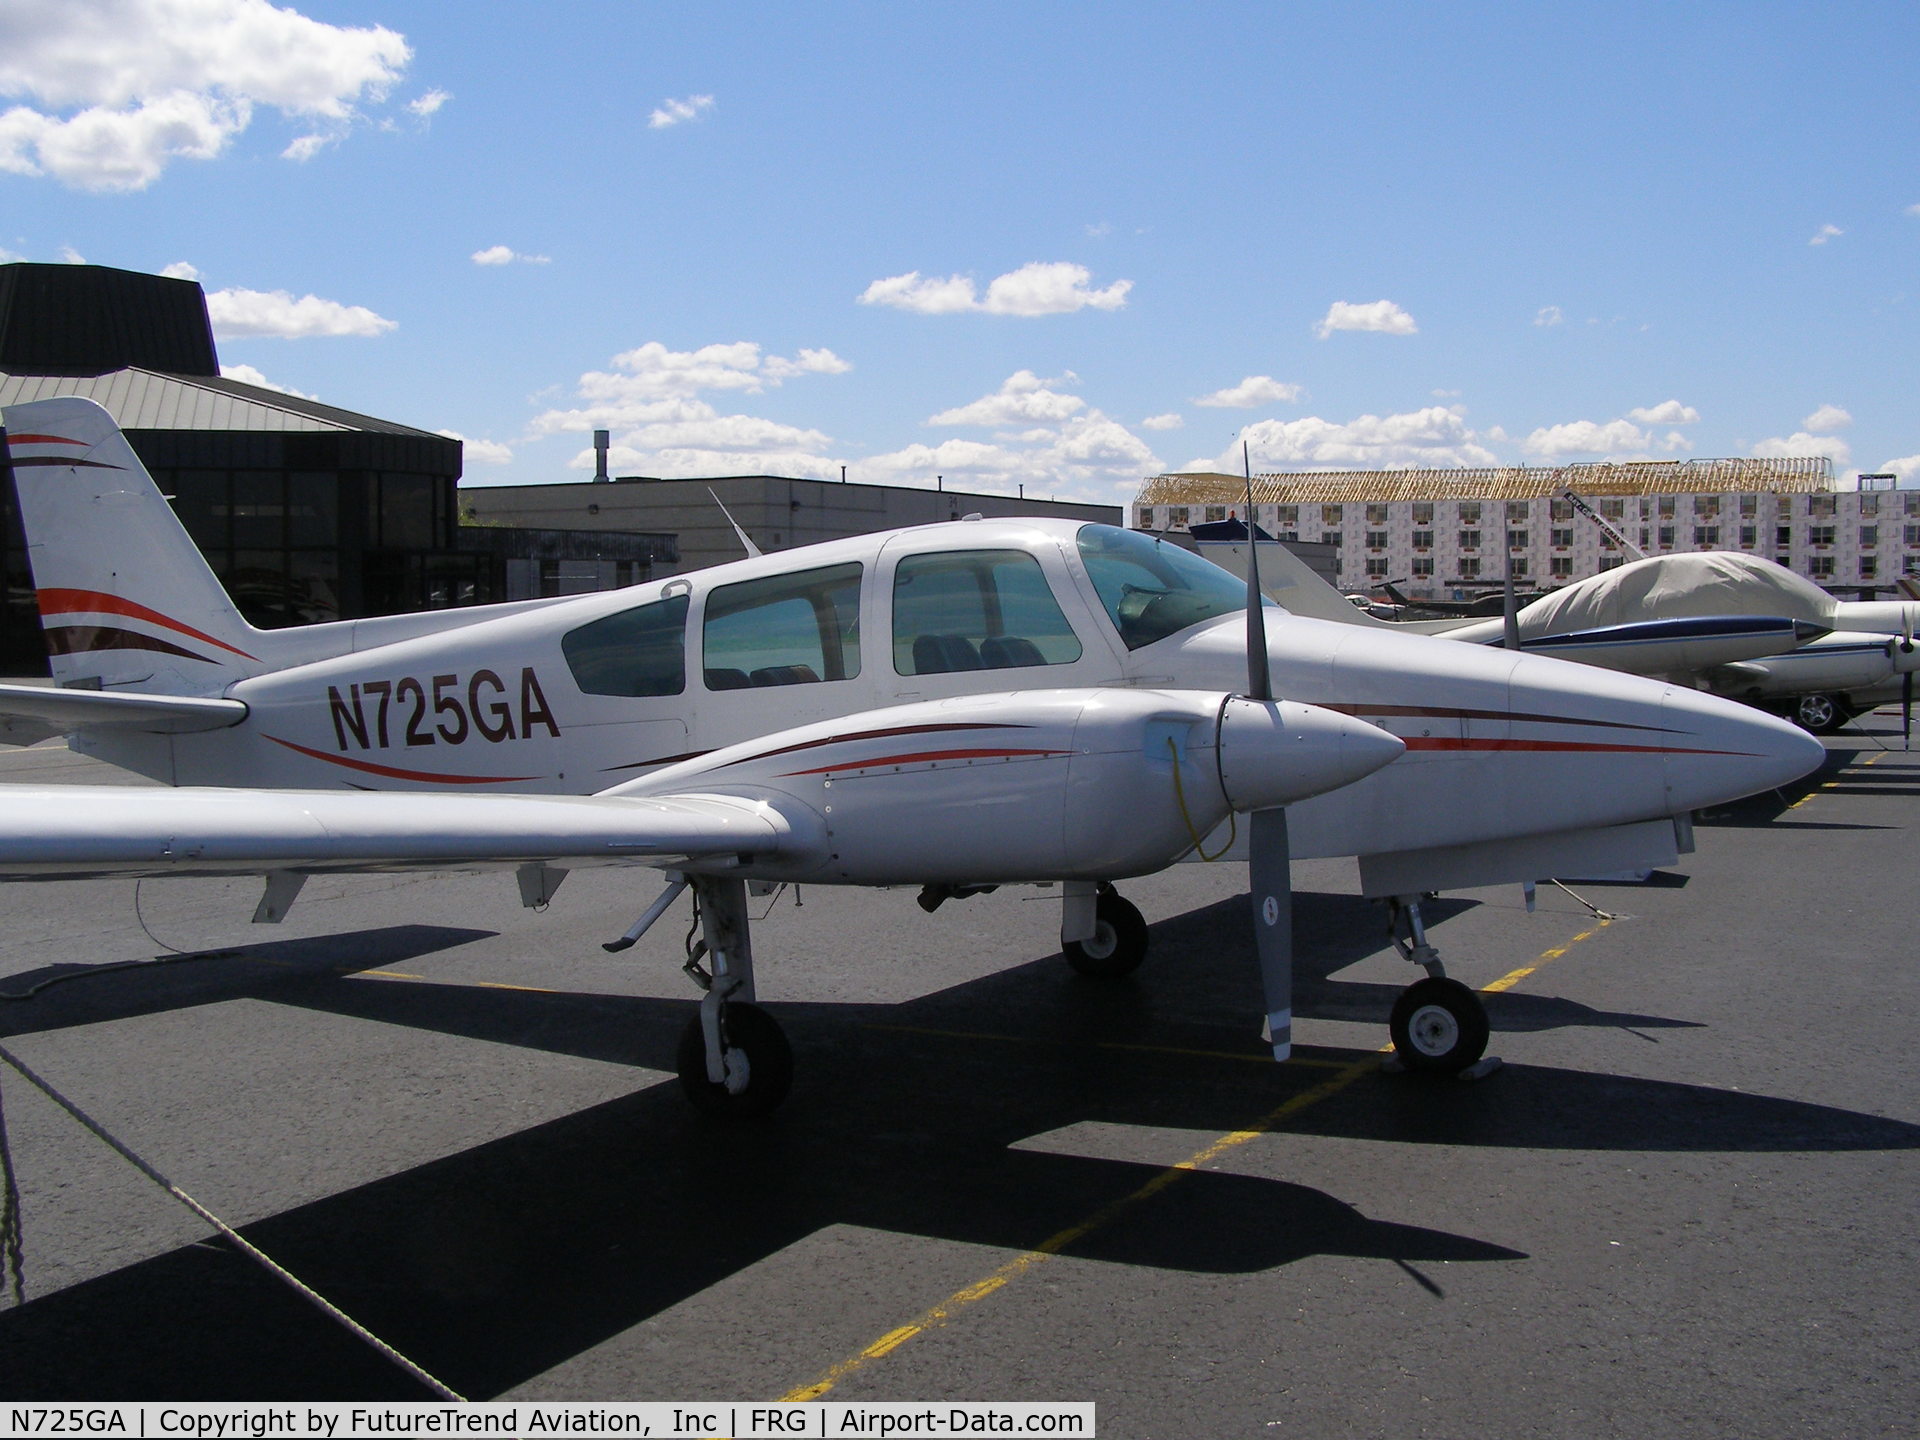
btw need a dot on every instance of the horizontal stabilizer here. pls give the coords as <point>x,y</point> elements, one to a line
<point>69,832</point>
<point>60,710</point>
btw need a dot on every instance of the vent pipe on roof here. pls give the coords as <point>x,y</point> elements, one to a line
<point>601,440</point>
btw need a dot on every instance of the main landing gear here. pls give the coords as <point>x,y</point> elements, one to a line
<point>1438,1025</point>
<point>1107,939</point>
<point>734,1060</point>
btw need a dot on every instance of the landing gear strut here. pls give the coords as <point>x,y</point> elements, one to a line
<point>734,1060</point>
<point>1438,1025</point>
<point>1118,939</point>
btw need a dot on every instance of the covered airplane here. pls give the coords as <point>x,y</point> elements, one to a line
<point>952,706</point>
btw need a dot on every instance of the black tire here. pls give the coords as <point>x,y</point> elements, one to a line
<point>1819,713</point>
<point>750,1030</point>
<point>1439,1026</point>
<point>1119,941</point>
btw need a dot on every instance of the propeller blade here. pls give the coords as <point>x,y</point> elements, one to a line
<point>1270,871</point>
<point>1259,680</point>
<point>1906,711</point>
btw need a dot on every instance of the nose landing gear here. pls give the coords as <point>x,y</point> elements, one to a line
<point>1438,1025</point>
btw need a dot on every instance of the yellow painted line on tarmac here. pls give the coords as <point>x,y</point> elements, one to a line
<point>1829,784</point>
<point>388,975</point>
<point>938,1315</point>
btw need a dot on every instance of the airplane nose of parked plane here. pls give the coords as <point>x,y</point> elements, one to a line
<point>1720,750</point>
<point>1274,752</point>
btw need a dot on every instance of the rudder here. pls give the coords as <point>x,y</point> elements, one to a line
<point>127,601</point>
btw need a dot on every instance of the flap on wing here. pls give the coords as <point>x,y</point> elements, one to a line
<point>160,714</point>
<point>73,831</point>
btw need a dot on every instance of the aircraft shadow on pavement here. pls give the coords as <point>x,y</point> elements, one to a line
<point>495,1264</point>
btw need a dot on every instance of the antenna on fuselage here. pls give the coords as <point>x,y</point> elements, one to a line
<point>753,550</point>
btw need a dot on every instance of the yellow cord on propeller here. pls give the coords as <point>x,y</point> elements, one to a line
<point>1180,792</point>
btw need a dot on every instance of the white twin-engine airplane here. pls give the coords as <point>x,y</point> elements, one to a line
<point>953,706</point>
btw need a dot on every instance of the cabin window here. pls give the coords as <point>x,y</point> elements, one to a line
<point>976,610</point>
<point>1152,590</point>
<point>784,630</point>
<point>641,651</point>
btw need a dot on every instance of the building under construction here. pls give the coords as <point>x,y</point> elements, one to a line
<point>1445,530</point>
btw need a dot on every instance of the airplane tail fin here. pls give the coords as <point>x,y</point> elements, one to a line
<point>127,602</point>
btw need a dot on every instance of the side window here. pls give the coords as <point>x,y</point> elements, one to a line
<point>976,610</point>
<point>784,630</point>
<point>641,651</point>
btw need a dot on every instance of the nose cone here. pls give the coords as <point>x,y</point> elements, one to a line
<point>1274,752</point>
<point>1720,750</point>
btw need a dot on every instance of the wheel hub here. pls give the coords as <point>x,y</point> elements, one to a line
<point>1433,1030</point>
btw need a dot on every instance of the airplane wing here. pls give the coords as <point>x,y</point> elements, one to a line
<point>71,831</point>
<point>51,710</point>
<point>1653,647</point>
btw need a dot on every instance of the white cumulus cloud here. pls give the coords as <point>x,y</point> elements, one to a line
<point>429,103</point>
<point>1381,316</point>
<point>1907,467</point>
<point>484,452</point>
<point>1252,391</point>
<point>1825,233</point>
<point>1022,399</point>
<point>1613,440</point>
<point>1433,436</point>
<point>181,270</point>
<point>116,90</point>
<point>678,112</point>
<point>1548,315</point>
<point>247,375</point>
<point>1667,412</point>
<point>506,255</point>
<point>1827,419</point>
<point>241,314</point>
<point>1041,288</point>
<point>1169,421</point>
<point>1802,443</point>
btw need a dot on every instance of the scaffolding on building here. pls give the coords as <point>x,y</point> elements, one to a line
<point>1790,476</point>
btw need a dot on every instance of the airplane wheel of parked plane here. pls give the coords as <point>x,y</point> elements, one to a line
<point>1118,944</point>
<point>1439,1026</point>
<point>751,1033</point>
<point>1822,714</point>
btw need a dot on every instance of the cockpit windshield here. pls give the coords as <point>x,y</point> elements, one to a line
<point>1151,588</point>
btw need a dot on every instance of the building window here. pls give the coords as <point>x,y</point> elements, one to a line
<point>1666,537</point>
<point>1611,562</point>
<point>1562,539</point>
<point>1516,539</point>
<point>1705,507</point>
<point>1646,537</point>
<point>1749,536</point>
<point>1376,514</point>
<point>1666,507</point>
<point>1869,534</point>
<point>1782,536</point>
<point>1749,507</point>
<point>1819,507</point>
<point>1423,539</point>
<point>1216,512</point>
<point>1469,539</point>
<point>1820,534</point>
<point>1331,514</point>
<point>1516,512</point>
<point>1377,569</point>
<point>1912,499</point>
<point>1470,568</point>
<point>1614,509</point>
<point>1469,512</point>
<point>1376,539</point>
<point>1820,567</point>
<point>1869,503</point>
<point>1563,509</point>
<point>1517,567</point>
<point>1330,537</point>
<point>1423,512</point>
<point>1423,567</point>
<point>1869,567</point>
<point>1705,537</point>
<point>1913,535</point>
<point>1177,517</point>
<point>1287,515</point>
<point>1560,567</point>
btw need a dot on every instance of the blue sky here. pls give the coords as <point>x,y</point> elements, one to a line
<point>1060,246</point>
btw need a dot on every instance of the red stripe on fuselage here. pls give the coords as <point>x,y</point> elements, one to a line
<point>1442,742</point>
<point>95,602</point>
<point>393,772</point>
<point>921,757</point>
